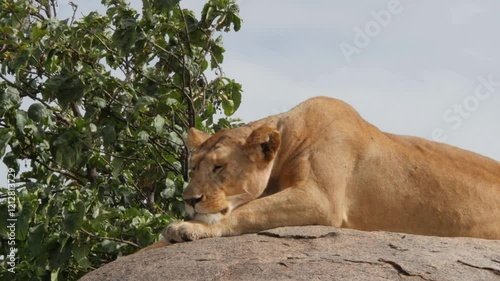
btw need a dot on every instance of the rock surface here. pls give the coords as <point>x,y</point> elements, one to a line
<point>312,253</point>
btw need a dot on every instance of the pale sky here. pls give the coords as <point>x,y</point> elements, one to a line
<point>424,68</point>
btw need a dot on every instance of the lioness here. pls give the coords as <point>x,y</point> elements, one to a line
<point>321,163</point>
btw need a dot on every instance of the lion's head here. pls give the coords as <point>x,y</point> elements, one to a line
<point>229,168</point>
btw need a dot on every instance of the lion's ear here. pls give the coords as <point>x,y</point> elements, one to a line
<point>195,138</point>
<point>263,143</point>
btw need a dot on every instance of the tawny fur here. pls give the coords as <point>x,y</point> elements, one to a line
<point>322,164</point>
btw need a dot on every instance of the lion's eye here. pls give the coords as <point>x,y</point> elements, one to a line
<point>217,168</point>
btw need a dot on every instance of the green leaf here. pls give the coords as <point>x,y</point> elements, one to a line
<point>36,235</point>
<point>117,165</point>
<point>93,128</point>
<point>236,94</point>
<point>228,106</point>
<point>66,149</point>
<point>99,102</point>
<point>9,98</point>
<point>37,32</point>
<point>125,35</point>
<point>5,137</point>
<point>20,120</point>
<point>4,231</point>
<point>37,112</point>
<point>10,160</point>
<point>190,21</point>
<point>223,123</point>
<point>22,227</point>
<point>59,253</point>
<point>175,138</point>
<point>237,22</point>
<point>169,190</point>
<point>66,156</point>
<point>105,215</point>
<point>217,53</point>
<point>143,102</point>
<point>159,123</point>
<point>165,5</point>
<point>143,136</point>
<point>81,252</point>
<point>192,67</point>
<point>54,275</point>
<point>198,38</point>
<point>209,13</point>
<point>109,246</point>
<point>108,135</point>
<point>145,236</point>
<point>80,124</point>
<point>146,9</point>
<point>72,220</point>
<point>65,88</point>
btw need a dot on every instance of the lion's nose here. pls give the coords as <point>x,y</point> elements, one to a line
<point>193,201</point>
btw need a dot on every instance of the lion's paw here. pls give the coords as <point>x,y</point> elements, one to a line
<point>182,231</point>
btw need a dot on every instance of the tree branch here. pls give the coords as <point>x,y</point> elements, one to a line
<point>66,173</point>
<point>189,96</point>
<point>185,29</point>
<point>110,238</point>
<point>74,7</point>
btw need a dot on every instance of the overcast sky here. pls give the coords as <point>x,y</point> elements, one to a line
<point>424,68</point>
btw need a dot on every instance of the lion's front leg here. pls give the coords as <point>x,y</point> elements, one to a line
<point>294,206</point>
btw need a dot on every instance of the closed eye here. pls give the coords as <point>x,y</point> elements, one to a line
<point>217,168</point>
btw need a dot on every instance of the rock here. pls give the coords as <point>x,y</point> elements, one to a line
<point>312,253</point>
